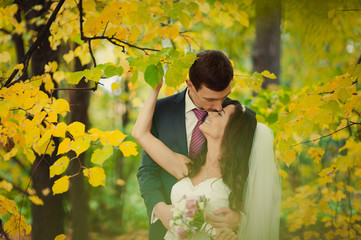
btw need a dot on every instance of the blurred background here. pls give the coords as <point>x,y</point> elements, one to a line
<point>296,65</point>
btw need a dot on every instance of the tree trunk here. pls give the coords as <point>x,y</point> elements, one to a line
<point>79,104</point>
<point>266,49</point>
<point>47,220</point>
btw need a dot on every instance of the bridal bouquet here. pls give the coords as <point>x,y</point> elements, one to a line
<point>188,216</point>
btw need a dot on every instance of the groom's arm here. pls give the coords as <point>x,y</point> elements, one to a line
<point>150,183</point>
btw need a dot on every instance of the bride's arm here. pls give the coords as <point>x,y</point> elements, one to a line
<point>172,162</point>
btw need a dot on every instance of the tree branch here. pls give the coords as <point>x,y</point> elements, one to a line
<point>33,47</point>
<point>316,139</point>
<point>112,39</point>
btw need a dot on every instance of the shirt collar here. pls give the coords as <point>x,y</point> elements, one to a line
<point>189,103</point>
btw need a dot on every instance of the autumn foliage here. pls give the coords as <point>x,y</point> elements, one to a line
<point>317,126</point>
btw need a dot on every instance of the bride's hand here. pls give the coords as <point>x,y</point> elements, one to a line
<point>163,212</point>
<point>159,86</point>
<point>225,234</point>
<point>178,167</point>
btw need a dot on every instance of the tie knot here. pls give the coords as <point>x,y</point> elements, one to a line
<point>200,114</point>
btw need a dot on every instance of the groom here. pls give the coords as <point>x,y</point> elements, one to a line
<point>210,79</point>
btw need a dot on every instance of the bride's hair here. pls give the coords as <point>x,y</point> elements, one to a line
<point>236,148</point>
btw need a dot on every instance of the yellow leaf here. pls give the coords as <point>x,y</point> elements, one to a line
<point>45,138</point>
<point>133,34</point>
<point>52,117</point>
<point>4,109</point>
<point>95,133</point>
<point>120,182</point>
<point>10,154</point>
<point>115,86</point>
<point>242,18</point>
<point>331,13</point>
<point>68,57</point>
<point>36,200</point>
<point>289,157</point>
<point>76,129</point>
<point>100,155</point>
<point>45,191</point>
<point>29,153</point>
<point>60,106</point>
<point>17,224</point>
<point>344,94</point>
<point>60,237</point>
<point>148,36</point>
<point>282,173</point>
<point>59,166</point>
<point>112,138</point>
<point>52,66</point>
<point>64,146</point>
<point>59,76</point>
<point>59,130</point>
<point>5,57</point>
<point>6,185</point>
<point>128,148</point>
<point>96,176</point>
<point>316,154</point>
<point>267,74</point>
<point>7,205</point>
<point>61,185</point>
<point>39,117</point>
<point>80,145</point>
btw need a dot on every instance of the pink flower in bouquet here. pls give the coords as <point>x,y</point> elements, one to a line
<point>182,233</point>
<point>191,203</point>
<point>191,212</point>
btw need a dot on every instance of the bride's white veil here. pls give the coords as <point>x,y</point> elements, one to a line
<point>262,195</point>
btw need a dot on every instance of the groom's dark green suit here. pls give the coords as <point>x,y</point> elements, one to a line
<point>155,183</point>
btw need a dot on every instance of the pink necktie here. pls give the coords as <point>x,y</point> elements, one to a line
<point>198,138</point>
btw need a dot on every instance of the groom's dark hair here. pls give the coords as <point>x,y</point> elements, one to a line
<point>212,69</point>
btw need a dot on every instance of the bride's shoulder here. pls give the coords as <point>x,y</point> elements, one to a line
<point>263,128</point>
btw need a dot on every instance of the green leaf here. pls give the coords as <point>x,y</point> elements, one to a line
<point>97,74</point>
<point>285,99</point>
<point>173,76</point>
<point>119,71</point>
<point>184,18</point>
<point>100,155</point>
<point>75,77</point>
<point>272,118</point>
<point>134,77</point>
<point>110,71</point>
<point>4,3</point>
<point>188,59</point>
<point>192,7</point>
<point>153,74</point>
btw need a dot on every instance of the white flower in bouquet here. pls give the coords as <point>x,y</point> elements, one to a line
<point>188,216</point>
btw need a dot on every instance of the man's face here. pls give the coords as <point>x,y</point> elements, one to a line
<point>208,99</point>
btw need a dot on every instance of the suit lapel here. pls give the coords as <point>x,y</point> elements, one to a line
<point>179,122</point>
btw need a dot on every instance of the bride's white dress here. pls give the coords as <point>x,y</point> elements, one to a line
<point>262,193</point>
<point>213,189</point>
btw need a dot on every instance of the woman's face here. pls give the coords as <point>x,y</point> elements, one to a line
<point>216,122</point>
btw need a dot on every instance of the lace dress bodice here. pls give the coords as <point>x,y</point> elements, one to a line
<point>213,189</point>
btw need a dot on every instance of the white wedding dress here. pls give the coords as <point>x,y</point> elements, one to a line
<point>262,194</point>
<point>213,189</point>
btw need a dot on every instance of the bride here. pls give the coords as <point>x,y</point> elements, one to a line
<point>236,169</point>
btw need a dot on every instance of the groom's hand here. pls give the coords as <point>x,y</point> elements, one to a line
<point>225,218</point>
<point>162,211</point>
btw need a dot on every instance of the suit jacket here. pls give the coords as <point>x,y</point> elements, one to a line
<point>154,182</point>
